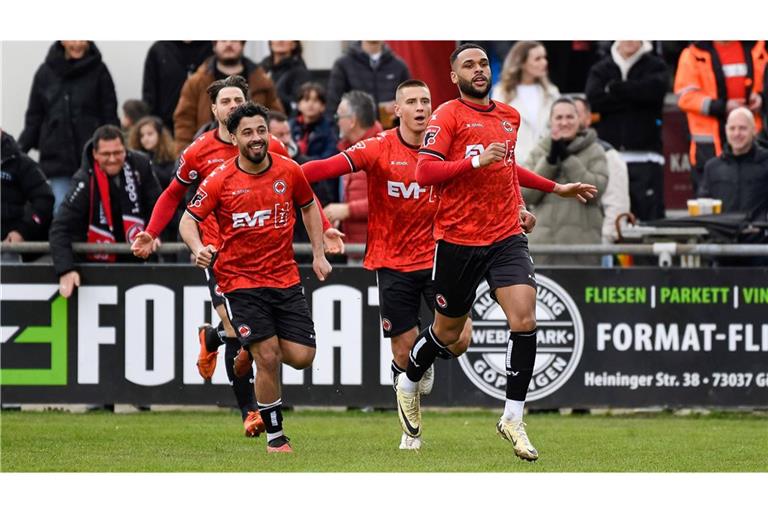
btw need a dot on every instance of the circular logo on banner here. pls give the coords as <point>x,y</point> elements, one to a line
<point>560,342</point>
<point>244,331</point>
<point>386,324</point>
<point>279,186</point>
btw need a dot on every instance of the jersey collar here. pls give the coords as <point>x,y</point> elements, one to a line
<point>475,106</point>
<point>403,142</point>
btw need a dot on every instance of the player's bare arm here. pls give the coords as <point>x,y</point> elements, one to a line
<point>581,191</point>
<point>313,224</point>
<point>191,235</point>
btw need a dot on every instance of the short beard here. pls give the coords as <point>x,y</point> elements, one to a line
<point>257,159</point>
<point>468,89</point>
<point>229,62</point>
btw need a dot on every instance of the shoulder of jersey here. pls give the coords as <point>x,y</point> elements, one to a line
<point>197,142</point>
<point>282,159</point>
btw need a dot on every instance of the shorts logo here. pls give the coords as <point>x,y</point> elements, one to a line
<point>430,136</point>
<point>386,324</point>
<point>508,126</point>
<point>560,340</point>
<point>193,175</point>
<point>440,300</point>
<point>218,292</point>
<point>244,331</point>
<point>279,187</point>
<point>196,201</point>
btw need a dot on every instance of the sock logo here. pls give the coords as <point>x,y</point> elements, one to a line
<point>559,339</point>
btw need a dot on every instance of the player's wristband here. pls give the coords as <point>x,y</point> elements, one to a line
<point>476,161</point>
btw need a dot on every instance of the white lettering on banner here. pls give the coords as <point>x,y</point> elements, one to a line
<point>36,292</point>
<point>162,341</point>
<point>643,337</point>
<point>398,189</point>
<point>349,336</point>
<point>89,334</point>
<point>195,300</point>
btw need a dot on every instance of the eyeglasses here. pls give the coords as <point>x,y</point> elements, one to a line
<point>336,116</point>
<point>111,154</point>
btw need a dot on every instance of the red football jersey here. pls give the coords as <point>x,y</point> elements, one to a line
<point>255,216</point>
<point>401,215</point>
<point>480,206</point>
<point>200,158</point>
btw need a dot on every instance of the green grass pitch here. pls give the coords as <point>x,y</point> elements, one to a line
<point>356,441</point>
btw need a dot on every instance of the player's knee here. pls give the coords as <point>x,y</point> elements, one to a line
<point>461,346</point>
<point>523,323</point>
<point>267,360</point>
<point>301,360</point>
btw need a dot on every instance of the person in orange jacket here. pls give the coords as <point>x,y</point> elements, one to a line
<point>713,78</point>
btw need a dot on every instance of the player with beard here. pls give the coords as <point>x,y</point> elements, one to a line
<point>253,196</point>
<point>400,245</point>
<point>197,161</point>
<point>468,155</point>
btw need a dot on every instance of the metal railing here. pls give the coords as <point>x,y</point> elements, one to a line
<point>665,251</point>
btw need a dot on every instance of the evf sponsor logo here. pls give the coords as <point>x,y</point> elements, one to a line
<point>560,341</point>
<point>245,219</point>
<point>399,189</point>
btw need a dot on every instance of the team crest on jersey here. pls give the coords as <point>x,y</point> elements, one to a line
<point>193,175</point>
<point>386,324</point>
<point>440,301</point>
<point>279,186</point>
<point>244,331</point>
<point>200,195</point>
<point>431,135</point>
<point>560,341</point>
<point>508,126</point>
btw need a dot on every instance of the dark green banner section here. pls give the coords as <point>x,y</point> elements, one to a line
<point>606,338</point>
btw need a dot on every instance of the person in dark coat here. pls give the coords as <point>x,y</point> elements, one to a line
<point>627,89</point>
<point>288,72</point>
<point>167,66</point>
<point>72,94</point>
<point>26,199</point>
<point>110,201</point>
<point>739,176</point>
<point>368,66</point>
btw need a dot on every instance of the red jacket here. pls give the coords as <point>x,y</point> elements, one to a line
<point>355,194</point>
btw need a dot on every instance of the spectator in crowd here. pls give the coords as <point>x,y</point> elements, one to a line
<point>286,67</point>
<point>110,201</point>
<point>26,199</point>
<point>713,78</point>
<point>763,139</point>
<point>570,62</point>
<point>739,176</point>
<point>368,66</point>
<point>150,136</point>
<point>311,129</point>
<point>72,94</point>
<point>627,89</point>
<point>280,128</point>
<point>133,110</point>
<point>615,198</point>
<point>167,66</point>
<point>356,119</point>
<point>524,85</point>
<point>568,154</point>
<point>194,108</point>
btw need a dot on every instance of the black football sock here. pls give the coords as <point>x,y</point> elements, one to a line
<point>242,386</point>
<point>423,354</point>
<point>521,355</point>
<point>396,371</point>
<point>272,415</point>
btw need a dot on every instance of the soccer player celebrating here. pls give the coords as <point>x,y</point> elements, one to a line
<point>400,244</point>
<point>468,153</point>
<point>253,197</point>
<point>197,161</point>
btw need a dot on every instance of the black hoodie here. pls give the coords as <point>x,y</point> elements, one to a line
<point>68,101</point>
<point>25,196</point>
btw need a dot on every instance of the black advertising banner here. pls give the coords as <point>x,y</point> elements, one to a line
<point>606,338</point>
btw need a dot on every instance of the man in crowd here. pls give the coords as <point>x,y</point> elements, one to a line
<point>110,201</point>
<point>193,110</point>
<point>261,288</point>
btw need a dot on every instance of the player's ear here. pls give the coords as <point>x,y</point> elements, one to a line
<point>454,77</point>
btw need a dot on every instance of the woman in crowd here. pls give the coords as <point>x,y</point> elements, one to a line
<point>567,154</point>
<point>525,85</point>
